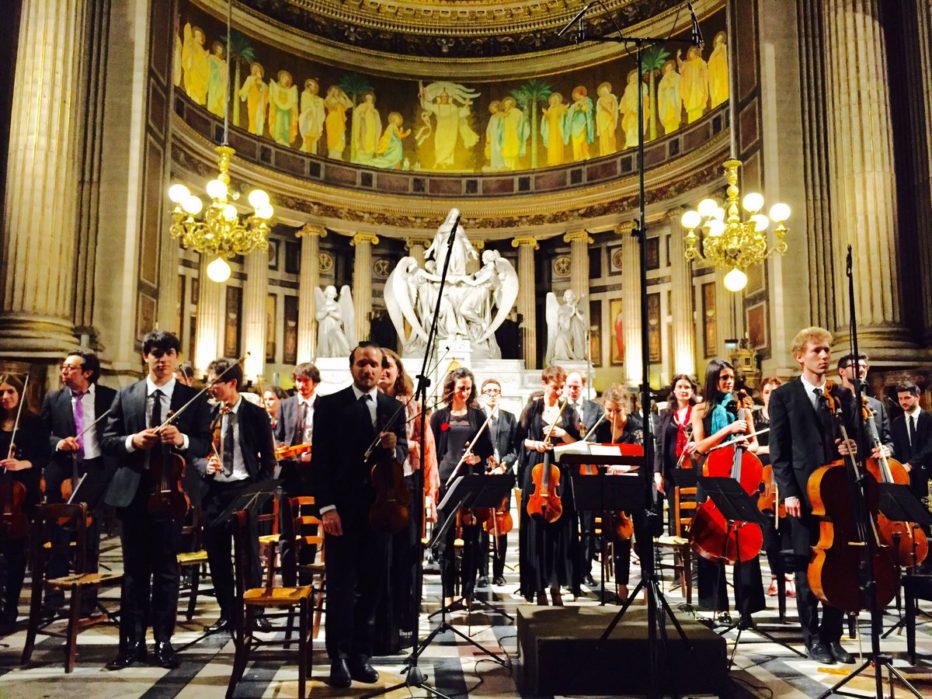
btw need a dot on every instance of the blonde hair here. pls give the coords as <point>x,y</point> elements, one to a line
<point>811,334</point>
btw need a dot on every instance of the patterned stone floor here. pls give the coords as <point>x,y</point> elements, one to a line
<point>762,669</point>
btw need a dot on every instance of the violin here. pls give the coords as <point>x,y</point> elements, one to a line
<point>497,520</point>
<point>391,508</point>
<point>846,531</point>
<point>770,494</point>
<point>166,467</point>
<point>14,524</point>
<point>292,452</point>
<point>544,503</point>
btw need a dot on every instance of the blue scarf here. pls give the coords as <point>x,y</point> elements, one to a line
<point>721,417</point>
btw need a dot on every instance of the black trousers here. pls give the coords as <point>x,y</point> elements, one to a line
<point>496,553</point>
<point>218,542</point>
<point>151,545</point>
<point>14,571</point>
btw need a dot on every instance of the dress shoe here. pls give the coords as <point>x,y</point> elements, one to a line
<point>134,652</point>
<point>362,671</point>
<point>840,654</point>
<point>340,674</point>
<point>772,590</point>
<point>542,599</point>
<point>165,655</point>
<point>588,580</point>
<point>499,580</point>
<point>483,581</point>
<point>820,652</point>
<point>222,624</point>
<point>556,597</point>
<point>262,624</point>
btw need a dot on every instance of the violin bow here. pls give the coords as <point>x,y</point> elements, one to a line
<point>210,384</point>
<point>560,409</point>
<point>743,437</point>
<point>468,451</point>
<point>19,412</point>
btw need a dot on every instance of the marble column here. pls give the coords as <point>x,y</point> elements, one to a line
<point>579,262</point>
<point>210,319</point>
<point>255,322</point>
<point>416,248</point>
<point>863,193</point>
<point>362,281</point>
<point>37,249</point>
<point>631,304</point>
<point>308,280</point>
<point>682,325</point>
<point>527,299</point>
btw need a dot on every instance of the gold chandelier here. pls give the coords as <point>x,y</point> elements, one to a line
<point>219,231</point>
<point>729,242</point>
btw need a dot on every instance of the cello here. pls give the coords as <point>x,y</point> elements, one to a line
<point>545,503</point>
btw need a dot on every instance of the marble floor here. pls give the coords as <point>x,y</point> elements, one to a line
<point>762,668</point>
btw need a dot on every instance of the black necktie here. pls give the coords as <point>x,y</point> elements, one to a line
<point>364,400</point>
<point>228,445</point>
<point>911,422</point>
<point>155,419</point>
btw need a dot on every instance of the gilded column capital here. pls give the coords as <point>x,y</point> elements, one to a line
<point>528,240</point>
<point>581,234</point>
<point>416,242</point>
<point>624,229</point>
<point>675,214</point>
<point>370,238</point>
<point>311,229</point>
<point>478,244</point>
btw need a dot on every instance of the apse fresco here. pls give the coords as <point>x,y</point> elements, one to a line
<point>441,124</point>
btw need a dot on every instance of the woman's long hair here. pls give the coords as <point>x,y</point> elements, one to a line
<point>403,385</point>
<point>671,396</point>
<point>17,384</point>
<point>450,382</point>
<point>712,373</point>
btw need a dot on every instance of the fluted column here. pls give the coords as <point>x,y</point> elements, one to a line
<point>362,281</point>
<point>37,250</point>
<point>416,248</point>
<point>255,289</point>
<point>308,280</point>
<point>209,344</point>
<point>579,262</point>
<point>683,326</point>
<point>864,205</point>
<point>527,301</point>
<point>631,304</point>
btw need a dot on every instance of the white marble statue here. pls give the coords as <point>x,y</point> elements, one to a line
<point>566,328</point>
<point>473,306</point>
<point>336,322</point>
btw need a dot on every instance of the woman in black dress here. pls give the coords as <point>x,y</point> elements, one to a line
<point>455,427</point>
<point>673,437</point>
<point>548,551</point>
<point>22,464</point>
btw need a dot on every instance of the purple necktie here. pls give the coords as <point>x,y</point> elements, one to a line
<point>79,418</point>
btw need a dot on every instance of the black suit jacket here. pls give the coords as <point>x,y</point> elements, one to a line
<point>882,423</point>
<point>128,416</point>
<point>255,442</point>
<point>342,433</point>
<point>506,427</point>
<point>919,453</point>
<point>287,419</point>
<point>589,415</point>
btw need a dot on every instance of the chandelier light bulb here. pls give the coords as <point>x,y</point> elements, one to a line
<point>265,211</point>
<point>218,270</point>
<point>735,280</point>
<point>779,212</point>
<point>177,193</point>
<point>753,202</point>
<point>229,212</point>
<point>716,227</point>
<point>257,198</point>
<point>707,208</point>
<point>192,205</point>
<point>691,219</point>
<point>719,213</point>
<point>217,189</point>
<point>761,222</point>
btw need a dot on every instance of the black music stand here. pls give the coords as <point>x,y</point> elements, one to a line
<point>739,510</point>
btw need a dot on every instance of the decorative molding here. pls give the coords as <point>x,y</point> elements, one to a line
<point>311,229</point>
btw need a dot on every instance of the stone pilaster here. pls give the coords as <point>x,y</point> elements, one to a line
<point>209,344</point>
<point>579,262</point>
<point>309,279</point>
<point>682,326</point>
<point>255,323</point>
<point>416,248</point>
<point>631,304</point>
<point>864,205</point>
<point>37,250</point>
<point>527,300</point>
<point>362,281</point>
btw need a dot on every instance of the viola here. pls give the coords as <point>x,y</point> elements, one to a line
<point>166,467</point>
<point>391,508</point>
<point>498,521</point>
<point>545,503</point>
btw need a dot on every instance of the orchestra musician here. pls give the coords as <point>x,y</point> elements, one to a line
<point>912,437</point>
<point>23,455</point>
<point>846,369</point>
<point>802,438</point>
<point>672,435</point>
<point>150,540</point>
<point>503,427</point>
<point>296,426</point>
<point>548,550</point>
<point>272,398</point>
<point>243,454</point>
<point>345,424</point>
<point>72,415</point>
<point>716,420</point>
<point>455,427</point>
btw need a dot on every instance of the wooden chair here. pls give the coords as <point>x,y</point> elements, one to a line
<point>684,507</point>
<point>262,598</point>
<point>71,518</point>
<point>305,533</point>
<point>269,533</point>
<point>194,560</point>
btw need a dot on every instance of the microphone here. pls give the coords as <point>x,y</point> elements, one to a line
<point>579,16</point>
<point>696,34</point>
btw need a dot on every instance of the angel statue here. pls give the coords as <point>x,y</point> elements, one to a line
<point>566,328</point>
<point>336,322</point>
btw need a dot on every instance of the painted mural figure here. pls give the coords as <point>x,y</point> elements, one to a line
<point>177,67</point>
<point>578,126</point>
<point>367,129</point>
<point>218,79</point>
<point>551,129</point>
<point>255,93</point>
<point>336,104</point>
<point>390,151</point>
<point>450,103</point>
<point>669,101</point>
<point>311,121</point>
<point>493,138</point>
<point>283,108</point>
<point>606,120</point>
<point>194,60</point>
<point>718,70</point>
<point>515,130</point>
<point>629,109</point>
<point>694,83</point>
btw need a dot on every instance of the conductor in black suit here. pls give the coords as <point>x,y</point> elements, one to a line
<point>803,438</point>
<point>151,541</point>
<point>69,415</point>
<point>912,439</point>
<point>345,424</point>
<point>244,456</point>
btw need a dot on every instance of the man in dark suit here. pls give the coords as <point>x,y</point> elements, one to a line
<point>502,429</point>
<point>244,456</point>
<point>912,439</point>
<point>881,419</point>
<point>151,540</point>
<point>803,438</point>
<point>70,415</point>
<point>346,423</point>
<point>296,426</point>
